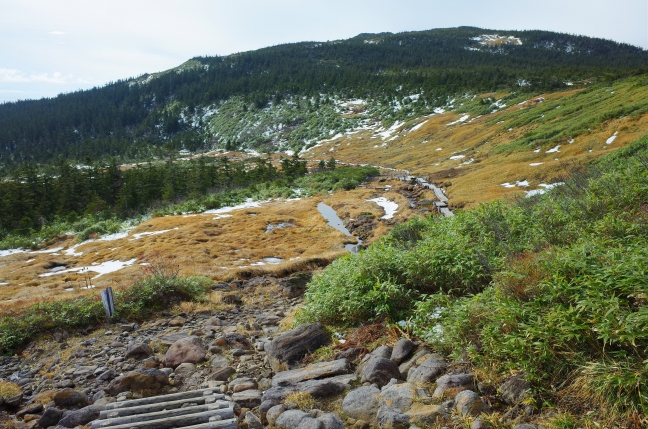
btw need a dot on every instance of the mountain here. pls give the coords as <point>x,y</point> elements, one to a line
<point>290,96</point>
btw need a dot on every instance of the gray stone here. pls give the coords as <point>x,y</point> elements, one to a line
<point>362,403</point>
<point>316,388</point>
<point>273,412</point>
<point>382,351</point>
<point>222,374</point>
<point>107,375</point>
<point>451,384</point>
<point>241,384</point>
<point>515,390</point>
<point>525,426</point>
<point>330,421</point>
<point>253,421</point>
<point>310,423</point>
<point>428,371</point>
<point>409,363</point>
<point>285,351</point>
<point>139,379</point>
<point>388,418</point>
<point>32,409</point>
<point>318,370</point>
<point>50,417</point>
<point>402,349</point>
<point>468,403</point>
<point>185,369</point>
<point>81,417</point>
<point>479,424</point>
<point>248,398</point>
<point>290,419</point>
<point>380,370</point>
<point>219,361</point>
<point>189,349</point>
<point>399,397</point>
<point>426,415</point>
<point>138,350</point>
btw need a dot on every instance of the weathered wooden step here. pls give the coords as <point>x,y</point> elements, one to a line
<point>219,424</point>
<point>160,406</point>
<point>166,398</point>
<point>221,409</point>
<point>180,421</point>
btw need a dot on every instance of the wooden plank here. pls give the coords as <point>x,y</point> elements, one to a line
<point>158,406</point>
<point>223,413</point>
<point>166,398</point>
<point>174,422</point>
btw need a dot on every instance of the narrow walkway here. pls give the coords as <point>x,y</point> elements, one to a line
<point>441,204</point>
<point>196,409</point>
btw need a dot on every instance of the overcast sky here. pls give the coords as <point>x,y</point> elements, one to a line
<point>53,46</point>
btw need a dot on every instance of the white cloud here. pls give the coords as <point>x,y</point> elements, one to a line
<point>17,76</point>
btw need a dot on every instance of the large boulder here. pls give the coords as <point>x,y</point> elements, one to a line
<point>50,417</point>
<point>316,388</point>
<point>399,396</point>
<point>140,379</point>
<point>285,351</point>
<point>362,403</point>
<point>451,384</point>
<point>189,349</point>
<point>69,398</point>
<point>380,370</point>
<point>402,349</point>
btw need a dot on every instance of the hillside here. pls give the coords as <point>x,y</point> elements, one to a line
<point>288,96</point>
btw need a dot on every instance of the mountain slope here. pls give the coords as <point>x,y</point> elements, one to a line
<point>273,97</point>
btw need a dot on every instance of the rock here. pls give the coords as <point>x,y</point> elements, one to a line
<point>107,375</point>
<point>318,370</point>
<point>310,423</point>
<point>380,370</point>
<point>241,384</point>
<point>428,371</point>
<point>330,421</point>
<point>402,349</point>
<point>289,348</point>
<point>69,398</point>
<point>468,403</point>
<point>12,401</point>
<point>82,416</point>
<point>248,398</point>
<point>253,422</point>
<point>525,426</point>
<point>219,361</point>
<point>515,390</point>
<point>139,379</point>
<point>273,413</point>
<point>50,417</point>
<point>479,424</point>
<point>290,419</point>
<point>361,424</point>
<point>389,418</point>
<point>362,403</point>
<point>316,388</point>
<point>189,349</point>
<point>138,350</point>
<point>351,354</point>
<point>222,374</point>
<point>185,369</point>
<point>32,409</point>
<point>238,352</point>
<point>427,415</point>
<point>177,321</point>
<point>399,397</point>
<point>383,352</point>
<point>451,384</point>
<point>296,285</point>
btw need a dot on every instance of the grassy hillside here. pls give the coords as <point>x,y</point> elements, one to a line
<point>552,285</point>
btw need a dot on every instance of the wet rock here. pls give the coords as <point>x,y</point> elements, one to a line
<point>402,349</point>
<point>362,403</point>
<point>515,390</point>
<point>50,417</point>
<point>290,347</point>
<point>290,419</point>
<point>189,349</point>
<point>428,371</point>
<point>69,398</point>
<point>140,379</point>
<point>253,421</point>
<point>380,370</point>
<point>241,384</point>
<point>451,384</point>
<point>315,371</point>
<point>82,416</point>
<point>468,403</point>
<point>248,398</point>
<point>138,350</point>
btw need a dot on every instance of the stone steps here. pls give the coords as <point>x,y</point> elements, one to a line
<point>197,409</point>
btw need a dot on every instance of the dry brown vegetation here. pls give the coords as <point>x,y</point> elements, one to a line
<point>223,247</point>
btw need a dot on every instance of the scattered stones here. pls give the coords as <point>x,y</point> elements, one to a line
<point>253,422</point>
<point>241,384</point>
<point>248,398</point>
<point>222,374</point>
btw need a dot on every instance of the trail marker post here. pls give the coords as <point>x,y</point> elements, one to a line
<point>108,301</point>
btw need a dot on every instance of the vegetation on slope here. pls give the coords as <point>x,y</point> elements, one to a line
<point>134,117</point>
<point>553,285</point>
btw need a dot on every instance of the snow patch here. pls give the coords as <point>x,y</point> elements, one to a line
<point>457,157</point>
<point>611,139</point>
<point>11,252</point>
<point>535,164</point>
<point>464,118</point>
<point>143,234</point>
<point>554,149</point>
<point>390,207</point>
<point>101,269</point>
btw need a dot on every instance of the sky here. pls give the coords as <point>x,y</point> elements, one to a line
<point>48,47</point>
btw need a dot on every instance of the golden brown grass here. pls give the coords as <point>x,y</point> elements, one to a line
<point>8,389</point>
